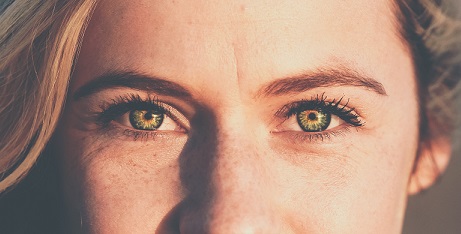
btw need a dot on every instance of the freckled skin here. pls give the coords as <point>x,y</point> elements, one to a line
<point>231,172</point>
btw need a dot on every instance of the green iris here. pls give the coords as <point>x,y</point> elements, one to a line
<point>313,120</point>
<point>146,119</point>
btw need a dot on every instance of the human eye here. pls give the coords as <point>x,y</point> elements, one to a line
<point>317,118</point>
<point>140,117</point>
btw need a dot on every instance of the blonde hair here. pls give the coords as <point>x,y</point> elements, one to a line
<point>39,42</point>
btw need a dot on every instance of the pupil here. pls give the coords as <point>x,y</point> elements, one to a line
<point>148,116</point>
<point>312,116</point>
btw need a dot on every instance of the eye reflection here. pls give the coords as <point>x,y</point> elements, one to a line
<point>313,120</point>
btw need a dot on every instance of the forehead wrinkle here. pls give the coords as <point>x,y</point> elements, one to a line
<point>244,38</point>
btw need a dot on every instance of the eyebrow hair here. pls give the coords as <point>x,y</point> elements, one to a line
<point>300,83</point>
<point>133,80</point>
<point>321,78</point>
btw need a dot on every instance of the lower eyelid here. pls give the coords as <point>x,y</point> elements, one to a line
<point>115,131</point>
<point>296,137</point>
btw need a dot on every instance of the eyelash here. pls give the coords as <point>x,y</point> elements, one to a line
<point>124,104</point>
<point>333,107</point>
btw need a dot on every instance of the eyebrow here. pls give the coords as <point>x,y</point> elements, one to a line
<point>133,80</point>
<point>296,84</point>
<point>321,78</point>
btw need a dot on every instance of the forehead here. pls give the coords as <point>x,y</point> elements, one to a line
<point>244,41</point>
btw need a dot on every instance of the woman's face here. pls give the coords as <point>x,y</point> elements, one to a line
<point>256,116</point>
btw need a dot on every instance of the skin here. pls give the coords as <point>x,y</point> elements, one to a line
<point>232,167</point>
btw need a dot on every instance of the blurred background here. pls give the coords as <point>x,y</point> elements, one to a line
<point>438,210</point>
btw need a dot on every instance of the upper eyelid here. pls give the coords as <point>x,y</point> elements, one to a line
<point>343,111</point>
<point>186,106</point>
<point>172,111</point>
<point>318,101</point>
<point>123,104</point>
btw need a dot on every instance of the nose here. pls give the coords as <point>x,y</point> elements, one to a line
<point>237,195</point>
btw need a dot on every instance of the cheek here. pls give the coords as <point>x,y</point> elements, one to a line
<point>358,188</point>
<point>115,186</point>
<point>361,185</point>
<point>120,195</point>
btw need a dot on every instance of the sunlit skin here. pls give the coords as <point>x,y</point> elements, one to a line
<point>232,165</point>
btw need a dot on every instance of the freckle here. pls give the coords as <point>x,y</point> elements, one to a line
<point>242,8</point>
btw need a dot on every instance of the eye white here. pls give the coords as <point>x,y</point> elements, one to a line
<point>291,124</point>
<point>168,124</point>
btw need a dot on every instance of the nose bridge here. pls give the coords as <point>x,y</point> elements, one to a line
<point>235,158</point>
<point>238,198</point>
<point>240,202</point>
<point>238,167</point>
<point>236,148</point>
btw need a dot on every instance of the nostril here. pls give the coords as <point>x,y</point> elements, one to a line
<point>170,223</point>
<point>193,222</point>
<point>228,218</point>
<point>229,190</point>
<point>246,226</point>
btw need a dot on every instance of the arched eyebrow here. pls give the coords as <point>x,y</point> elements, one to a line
<point>133,80</point>
<point>289,85</point>
<point>321,78</point>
